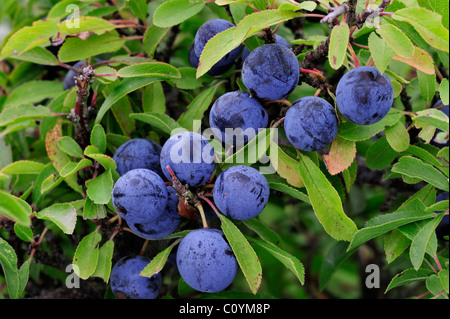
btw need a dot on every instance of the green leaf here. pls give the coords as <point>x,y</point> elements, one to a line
<point>174,12</point>
<point>432,117</point>
<point>427,84</point>
<point>86,255</point>
<point>30,37</point>
<point>420,60</point>
<point>23,232</point>
<point>196,109</point>
<point>125,87</point>
<point>397,137</point>
<point>396,39</point>
<point>92,210</point>
<point>188,79</point>
<point>139,8</point>
<point>439,6</point>
<point>416,168</point>
<point>408,276</point>
<point>104,263</point>
<point>162,122</point>
<point>444,277</point>
<point>152,37</point>
<point>338,45</point>
<point>63,215</point>
<point>106,161</point>
<point>37,55</point>
<point>325,201</point>
<point>158,262</point>
<point>73,167</point>
<point>443,91</point>
<point>420,242</point>
<point>8,261</point>
<point>428,24</point>
<point>380,154</point>
<point>98,138</point>
<point>153,99</point>
<point>84,24</point>
<point>33,92</point>
<point>23,167</point>
<point>354,132</point>
<point>15,208</point>
<point>291,262</point>
<point>263,231</point>
<point>281,185</point>
<point>21,113</point>
<point>382,224</point>
<point>94,45</point>
<point>381,52</point>
<point>159,70</point>
<point>100,189</point>
<point>69,146</point>
<point>286,166</point>
<point>395,244</point>
<point>434,284</point>
<point>245,255</point>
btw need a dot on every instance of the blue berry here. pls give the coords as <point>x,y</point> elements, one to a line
<point>163,225</point>
<point>237,111</point>
<point>364,95</point>
<point>138,153</point>
<point>241,192</point>
<point>271,72</point>
<point>205,260</point>
<point>210,29</point>
<point>310,123</point>
<point>190,156</point>
<point>126,283</point>
<point>69,79</point>
<point>279,40</point>
<point>140,195</point>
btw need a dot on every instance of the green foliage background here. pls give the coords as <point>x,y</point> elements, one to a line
<point>377,182</point>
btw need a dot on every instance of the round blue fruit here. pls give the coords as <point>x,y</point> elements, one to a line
<point>207,31</point>
<point>364,95</point>
<point>163,225</point>
<point>271,72</point>
<point>215,69</point>
<point>69,79</point>
<point>241,192</point>
<point>279,40</point>
<point>439,139</point>
<point>190,156</point>
<point>126,283</point>
<point>443,229</point>
<point>205,260</point>
<point>237,115</point>
<point>310,123</point>
<point>138,153</point>
<point>140,195</point>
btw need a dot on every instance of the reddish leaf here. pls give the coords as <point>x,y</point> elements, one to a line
<point>340,156</point>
